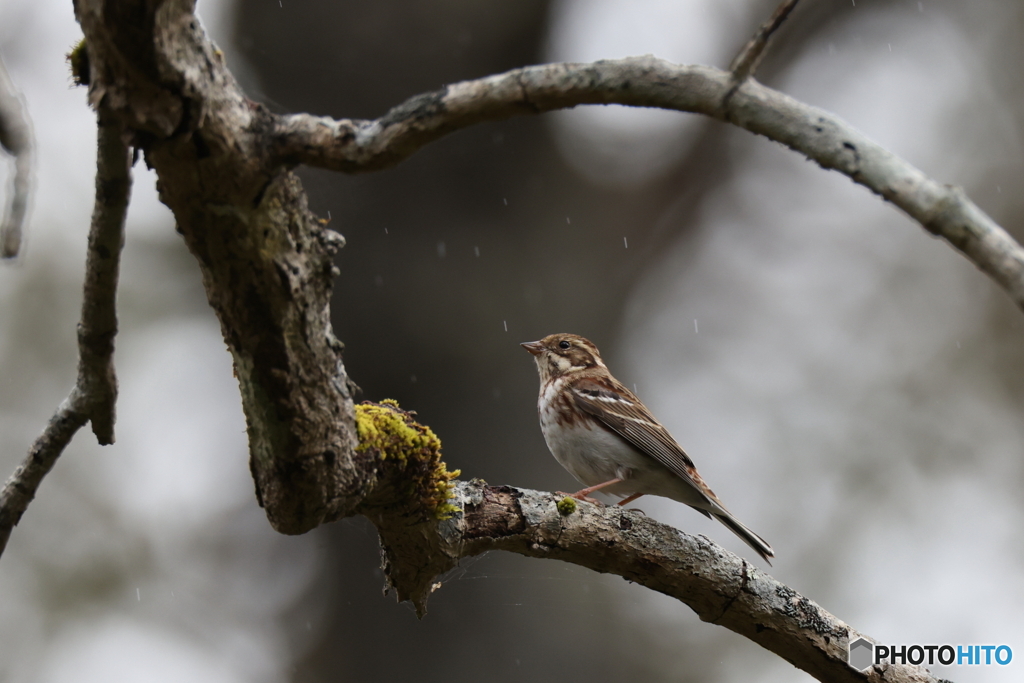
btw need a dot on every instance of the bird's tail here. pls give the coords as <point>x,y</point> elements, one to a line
<point>749,537</point>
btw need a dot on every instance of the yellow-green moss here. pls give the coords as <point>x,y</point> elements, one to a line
<point>566,506</point>
<point>392,433</point>
<point>78,58</point>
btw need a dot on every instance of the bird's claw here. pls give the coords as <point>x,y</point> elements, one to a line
<point>579,495</point>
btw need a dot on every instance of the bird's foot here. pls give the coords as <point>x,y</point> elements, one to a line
<point>629,499</point>
<point>581,495</point>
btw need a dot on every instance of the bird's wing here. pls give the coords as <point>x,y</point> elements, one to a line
<point>623,413</point>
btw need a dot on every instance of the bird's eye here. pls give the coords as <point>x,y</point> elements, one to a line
<point>564,344</point>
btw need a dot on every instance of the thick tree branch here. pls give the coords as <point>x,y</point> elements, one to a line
<point>266,260</point>
<point>95,391</point>
<point>720,587</point>
<point>354,146</point>
<point>15,138</point>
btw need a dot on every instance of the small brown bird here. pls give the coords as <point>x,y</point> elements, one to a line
<point>606,437</point>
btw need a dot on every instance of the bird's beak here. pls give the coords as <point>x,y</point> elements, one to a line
<point>536,348</point>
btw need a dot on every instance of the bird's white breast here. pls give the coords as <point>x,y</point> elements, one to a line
<point>589,451</point>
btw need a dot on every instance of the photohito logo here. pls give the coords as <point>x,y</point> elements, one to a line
<point>862,653</point>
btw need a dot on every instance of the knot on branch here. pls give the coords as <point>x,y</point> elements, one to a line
<point>409,456</point>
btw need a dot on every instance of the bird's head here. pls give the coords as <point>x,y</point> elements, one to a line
<point>561,354</point>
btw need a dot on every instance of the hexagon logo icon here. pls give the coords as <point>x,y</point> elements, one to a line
<point>861,654</point>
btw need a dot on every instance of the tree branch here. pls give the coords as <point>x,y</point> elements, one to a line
<point>354,146</point>
<point>15,138</point>
<point>720,587</point>
<point>746,62</point>
<point>96,331</point>
<point>95,391</point>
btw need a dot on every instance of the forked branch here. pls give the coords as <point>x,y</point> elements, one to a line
<point>95,391</point>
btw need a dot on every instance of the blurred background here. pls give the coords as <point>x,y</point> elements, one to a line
<point>851,387</point>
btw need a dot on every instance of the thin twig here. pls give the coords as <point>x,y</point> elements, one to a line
<point>21,488</point>
<point>98,327</point>
<point>95,391</point>
<point>748,59</point>
<point>16,139</point>
<point>356,146</point>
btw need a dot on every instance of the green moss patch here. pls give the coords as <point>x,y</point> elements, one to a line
<point>566,506</point>
<point>398,440</point>
<point>78,58</point>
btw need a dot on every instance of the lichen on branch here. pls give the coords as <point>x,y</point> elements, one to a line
<point>409,452</point>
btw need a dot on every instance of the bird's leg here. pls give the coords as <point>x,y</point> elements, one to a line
<point>584,494</point>
<point>630,499</point>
